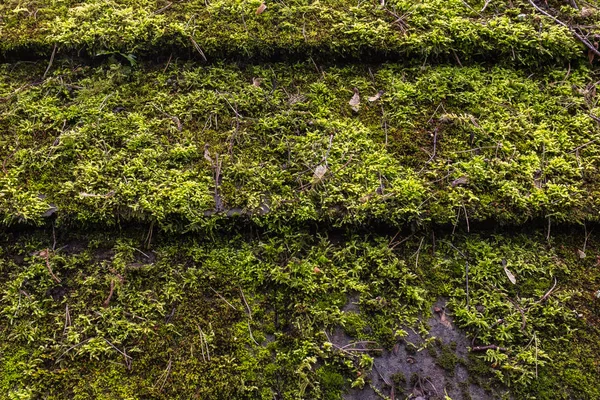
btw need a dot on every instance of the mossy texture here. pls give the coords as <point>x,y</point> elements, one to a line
<point>188,147</point>
<point>196,199</point>
<point>249,318</point>
<point>214,29</point>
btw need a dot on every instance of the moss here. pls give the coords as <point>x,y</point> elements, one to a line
<point>429,29</point>
<point>114,143</point>
<point>447,359</point>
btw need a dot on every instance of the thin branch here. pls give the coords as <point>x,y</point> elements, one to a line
<point>577,35</point>
<point>46,256</point>
<point>223,298</point>
<point>51,61</point>
<point>110,294</point>
<point>489,347</point>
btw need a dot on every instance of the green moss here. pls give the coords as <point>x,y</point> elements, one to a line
<point>114,143</point>
<point>512,32</point>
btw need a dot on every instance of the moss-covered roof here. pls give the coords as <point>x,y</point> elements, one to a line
<point>299,199</point>
<point>219,28</point>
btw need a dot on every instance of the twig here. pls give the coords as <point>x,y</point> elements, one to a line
<point>205,342</point>
<point>249,316</point>
<point>197,47</point>
<point>485,5</point>
<point>466,217</point>
<point>488,347</point>
<point>419,252</point>
<point>110,294</point>
<point>582,146</point>
<point>164,8</point>
<point>223,298</point>
<point>587,235</point>
<point>71,348</point>
<point>165,375</point>
<point>548,293</point>
<point>67,319</point>
<point>50,63</point>
<point>578,36</point>
<point>46,256</point>
<point>523,318</point>
<point>168,63</point>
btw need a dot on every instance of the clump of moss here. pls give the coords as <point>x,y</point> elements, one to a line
<point>193,148</point>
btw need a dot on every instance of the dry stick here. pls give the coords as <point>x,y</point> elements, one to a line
<point>400,242</point>
<point>576,149</point>
<point>536,355</point>
<point>456,223</point>
<point>578,36</point>
<point>466,217</point>
<point>54,237</point>
<point>249,316</point>
<point>127,357</point>
<point>587,235</point>
<point>69,349</point>
<point>201,343</point>
<point>50,268</point>
<point>419,252</point>
<point>223,298</point>
<point>435,135</point>
<point>548,293</point>
<point>67,319</point>
<point>166,374</point>
<point>164,8</point>
<point>51,61</point>
<point>203,337</point>
<point>489,347</point>
<point>110,294</point>
<point>149,240</point>
<point>487,2</point>
<point>198,49</point>
<point>523,318</point>
<point>592,116</point>
<point>548,235</point>
<point>168,63</point>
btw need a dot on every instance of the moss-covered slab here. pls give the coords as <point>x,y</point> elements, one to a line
<point>120,315</point>
<point>187,146</point>
<point>503,30</point>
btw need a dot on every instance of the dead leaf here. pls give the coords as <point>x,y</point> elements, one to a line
<point>445,321</point>
<point>320,172</point>
<point>377,96</point>
<point>355,101</point>
<point>316,270</point>
<point>510,275</point>
<point>207,156</point>
<point>580,253</point>
<point>261,9</point>
<point>463,180</point>
<point>256,82</point>
<point>43,253</point>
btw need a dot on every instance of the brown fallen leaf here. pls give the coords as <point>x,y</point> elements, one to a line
<point>316,270</point>
<point>581,253</point>
<point>510,275</point>
<point>256,82</point>
<point>320,172</point>
<point>445,321</point>
<point>377,96</point>
<point>261,9</point>
<point>463,180</point>
<point>207,156</point>
<point>355,101</point>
